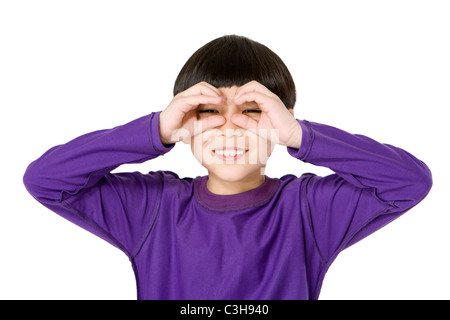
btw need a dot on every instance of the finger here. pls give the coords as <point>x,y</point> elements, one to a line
<point>196,127</point>
<point>260,99</point>
<point>203,88</point>
<point>208,123</point>
<point>252,86</point>
<point>192,102</point>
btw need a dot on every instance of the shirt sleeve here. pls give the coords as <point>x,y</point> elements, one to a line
<point>75,181</point>
<point>373,184</point>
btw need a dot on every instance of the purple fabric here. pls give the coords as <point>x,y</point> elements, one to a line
<point>273,242</point>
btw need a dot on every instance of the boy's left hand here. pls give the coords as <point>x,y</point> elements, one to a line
<point>274,115</point>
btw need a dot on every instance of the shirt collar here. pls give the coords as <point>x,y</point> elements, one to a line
<point>248,199</point>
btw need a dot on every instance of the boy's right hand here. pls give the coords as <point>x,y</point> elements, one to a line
<point>178,122</point>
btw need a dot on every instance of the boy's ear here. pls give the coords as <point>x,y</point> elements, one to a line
<point>291,110</point>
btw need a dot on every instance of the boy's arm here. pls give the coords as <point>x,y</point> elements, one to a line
<point>374,184</point>
<point>74,180</point>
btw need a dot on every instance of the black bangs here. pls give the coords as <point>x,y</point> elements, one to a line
<point>233,61</point>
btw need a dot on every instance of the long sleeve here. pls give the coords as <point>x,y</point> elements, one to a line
<point>373,184</point>
<point>75,181</point>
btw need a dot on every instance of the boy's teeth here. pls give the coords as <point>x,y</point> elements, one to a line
<point>229,153</point>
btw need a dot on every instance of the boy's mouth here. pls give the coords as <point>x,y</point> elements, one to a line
<point>229,154</point>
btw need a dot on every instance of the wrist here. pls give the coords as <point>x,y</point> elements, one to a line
<point>163,141</point>
<point>160,142</point>
<point>296,136</point>
<point>161,135</point>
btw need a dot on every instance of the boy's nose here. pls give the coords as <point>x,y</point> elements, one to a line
<point>229,128</point>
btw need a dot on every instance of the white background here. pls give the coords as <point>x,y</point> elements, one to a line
<point>379,68</point>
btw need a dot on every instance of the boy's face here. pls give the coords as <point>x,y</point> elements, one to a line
<point>228,151</point>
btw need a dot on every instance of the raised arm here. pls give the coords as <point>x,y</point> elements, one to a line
<point>74,180</point>
<point>374,184</point>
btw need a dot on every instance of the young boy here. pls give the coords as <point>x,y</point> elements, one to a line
<point>235,233</point>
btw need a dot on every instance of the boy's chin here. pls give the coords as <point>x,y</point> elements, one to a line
<point>236,173</point>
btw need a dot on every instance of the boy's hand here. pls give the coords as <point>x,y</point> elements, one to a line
<point>274,115</point>
<point>178,122</point>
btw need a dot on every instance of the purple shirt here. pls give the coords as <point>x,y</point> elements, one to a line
<point>276,241</point>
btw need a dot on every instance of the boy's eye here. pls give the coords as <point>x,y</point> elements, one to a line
<point>215,111</point>
<point>207,111</point>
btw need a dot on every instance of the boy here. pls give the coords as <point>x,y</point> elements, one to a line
<point>235,233</point>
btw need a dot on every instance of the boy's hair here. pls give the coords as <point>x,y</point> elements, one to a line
<point>235,60</point>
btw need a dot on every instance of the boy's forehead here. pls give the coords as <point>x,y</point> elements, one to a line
<point>229,93</point>
<point>228,90</point>
<point>229,103</point>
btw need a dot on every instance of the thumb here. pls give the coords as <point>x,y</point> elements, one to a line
<point>207,124</point>
<point>244,122</point>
